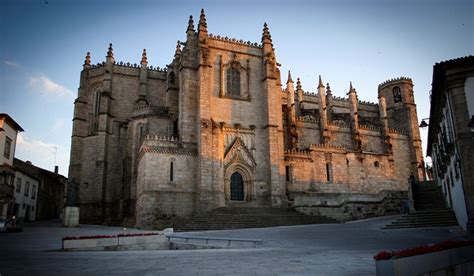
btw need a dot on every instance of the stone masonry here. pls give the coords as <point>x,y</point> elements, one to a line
<point>216,128</point>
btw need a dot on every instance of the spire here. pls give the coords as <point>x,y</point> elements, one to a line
<point>266,37</point>
<point>351,89</point>
<point>144,58</point>
<point>289,77</point>
<point>110,54</point>
<point>177,53</point>
<point>87,61</point>
<point>321,85</point>
<point>202,26</point>
<point>298,84</point>
<point>190,29</point>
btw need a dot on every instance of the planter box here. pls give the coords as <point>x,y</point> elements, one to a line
<point>149,242</point>
<point>456,261</point>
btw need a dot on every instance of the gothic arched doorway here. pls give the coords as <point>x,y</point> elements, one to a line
<point>236,187</point>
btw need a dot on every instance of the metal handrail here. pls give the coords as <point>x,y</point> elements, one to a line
<point>207,239</point>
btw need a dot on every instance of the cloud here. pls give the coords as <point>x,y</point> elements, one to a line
<point>44,84</point>
<point>42,154</point>
<point>58,124</point>
<point>11,63</point>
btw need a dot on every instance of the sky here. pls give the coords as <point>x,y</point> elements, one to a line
<point>43,44</point>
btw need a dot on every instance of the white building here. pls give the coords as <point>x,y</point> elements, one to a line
<point>451,136</point>
<point>8,134</point>
<point>26,196</point>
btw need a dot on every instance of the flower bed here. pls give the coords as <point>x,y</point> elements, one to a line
<point>109,236</point>
<point>442,258</point>
<point>424,249</point>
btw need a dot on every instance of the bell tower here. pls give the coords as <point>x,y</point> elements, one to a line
<point>401,115</point>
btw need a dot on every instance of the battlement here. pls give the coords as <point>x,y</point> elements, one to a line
<point>307,119</point>
<point>396,131</point>
<point>368,103</point>
<point>399,79</point>
<point>129,65</point>
<point>298,155</point>
<point>161,138</point>
<point>369,127</point>
<point>341,99</point>
<point>325,146</point>
<point>235,41</point>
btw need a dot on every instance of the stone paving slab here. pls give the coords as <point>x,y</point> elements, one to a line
<point>324,249</point>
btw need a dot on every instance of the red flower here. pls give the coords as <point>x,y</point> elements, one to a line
<point>424,249</point>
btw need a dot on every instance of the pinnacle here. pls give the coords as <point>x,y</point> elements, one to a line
<point>178,49</point>
<point>144,58</point>
<point>202,26</point>
<point>190,24</point>
<point>298,83</point>
<point>88,59</point>
<point>321,85</point>
<point>110,52</point>
<point>289,77</point>
<point>266,37</point>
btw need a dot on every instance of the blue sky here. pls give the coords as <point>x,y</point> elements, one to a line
<point>43,45</point>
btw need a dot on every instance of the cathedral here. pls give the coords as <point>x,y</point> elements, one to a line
<point>219,127</point>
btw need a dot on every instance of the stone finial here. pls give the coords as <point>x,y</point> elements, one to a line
<point>202,26</point>
<point>351,89</point>
<point>190,29</point>
<point>87,61</point>
<point>321,85</point>
<point>110,54</point>
<point>177,53</point>
<point>266,37</point>
<point>328,89</point>
<point>289,77</point>
<point>298,84</point>
<point>144,58</point>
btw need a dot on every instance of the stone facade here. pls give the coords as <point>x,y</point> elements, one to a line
<point>216,128</point>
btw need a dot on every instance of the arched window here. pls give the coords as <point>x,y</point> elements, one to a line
<point>233,82</point>
<point>397,94</point>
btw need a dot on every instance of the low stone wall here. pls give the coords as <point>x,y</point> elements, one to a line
<point>149,242</point>
<point>345,207</point>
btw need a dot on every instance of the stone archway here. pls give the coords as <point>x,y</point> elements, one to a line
<point>238,184</point>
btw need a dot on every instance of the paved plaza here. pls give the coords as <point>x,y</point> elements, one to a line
<point>324,249</point>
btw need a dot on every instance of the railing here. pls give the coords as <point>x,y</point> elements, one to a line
<point>207,239</point>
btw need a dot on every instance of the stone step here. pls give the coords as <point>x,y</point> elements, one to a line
<point>249,217</point>
<point>420,220</point>
<point>418,226</point>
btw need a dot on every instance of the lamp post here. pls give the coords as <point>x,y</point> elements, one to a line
<point>423,123</point>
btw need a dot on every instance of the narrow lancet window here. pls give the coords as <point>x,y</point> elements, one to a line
<point>233,82</point>
<point>329,172</point>
<point>171,172</point>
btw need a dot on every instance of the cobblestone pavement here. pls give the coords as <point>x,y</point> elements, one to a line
<point>324,249</point>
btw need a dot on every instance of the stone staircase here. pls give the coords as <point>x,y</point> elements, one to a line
<point>430,209</point>
<point>249,217</point>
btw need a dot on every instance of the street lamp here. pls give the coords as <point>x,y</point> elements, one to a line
<point>424,124</point>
